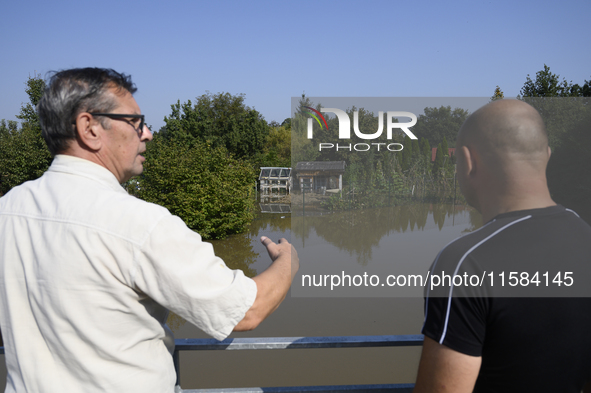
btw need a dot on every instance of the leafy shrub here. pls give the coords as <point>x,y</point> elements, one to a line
<point>211,191</point>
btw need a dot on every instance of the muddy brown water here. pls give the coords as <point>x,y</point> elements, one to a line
<point>393,240</point>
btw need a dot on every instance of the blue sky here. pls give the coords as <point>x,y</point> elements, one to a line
<point>273,50</point>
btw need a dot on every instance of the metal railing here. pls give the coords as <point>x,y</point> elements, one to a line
<point>230,344</point>
<point>299,343</point>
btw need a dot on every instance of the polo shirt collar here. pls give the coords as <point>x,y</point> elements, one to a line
<point>81,167</point>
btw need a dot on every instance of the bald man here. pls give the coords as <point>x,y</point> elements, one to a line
<point>477,338</point>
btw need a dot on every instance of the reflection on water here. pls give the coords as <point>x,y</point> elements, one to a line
<point>361,240</point>
<point>238,253</point>
<point>358,232</point>
<point>345,246</point>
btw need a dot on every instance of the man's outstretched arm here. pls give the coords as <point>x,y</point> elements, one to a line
<point>272,284</point>
<point>443,370</point>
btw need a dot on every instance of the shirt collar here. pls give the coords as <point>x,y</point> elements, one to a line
<point>81,167</point>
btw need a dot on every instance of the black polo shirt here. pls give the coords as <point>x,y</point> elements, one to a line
<point>523,303</point>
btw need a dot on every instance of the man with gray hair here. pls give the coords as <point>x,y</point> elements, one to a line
<point>88,272</point>
<point>504,337</point>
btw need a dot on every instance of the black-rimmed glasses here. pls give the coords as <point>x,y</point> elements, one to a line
<point>122,116</point>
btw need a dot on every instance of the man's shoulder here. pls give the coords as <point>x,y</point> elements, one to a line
<point>457,250</point>
<point>533,247</point>
<point>84,199</point>
<point>552,224</point>
<point>119,213</point>
<point>130,206</point>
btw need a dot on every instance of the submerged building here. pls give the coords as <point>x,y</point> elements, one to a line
<point>320,176</point>
<point>274,179</point>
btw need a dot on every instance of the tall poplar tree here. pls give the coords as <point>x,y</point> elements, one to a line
<point>23,153</point>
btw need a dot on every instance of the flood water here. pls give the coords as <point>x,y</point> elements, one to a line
<point>393,240</point>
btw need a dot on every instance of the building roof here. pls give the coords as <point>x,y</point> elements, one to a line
<point>320,166</point>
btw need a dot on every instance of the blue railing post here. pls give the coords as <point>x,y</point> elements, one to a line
<point>177,366</point>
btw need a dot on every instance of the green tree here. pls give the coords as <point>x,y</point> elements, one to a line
<point>23,156</point>
<point>374,168</point>
<point>426,149</point>
<point>560,103</point>
<point>211,191</point>
<point>303,103</point>
<point>286,123</point>
<point>6,128</point>
<point>586,89</point>
<point>441,122</point>
<point>321,133</point>
<point>416,149</point>
<point>23,153</point>
<point>567,116</point>
<point>444,148</point>
<point>548,84</point>
<point>277,150</point>
<point>219,120</point>
<point>498,94</point>
<point>448,159</point>
<point>302,148</point>
<point>28,113</point>
<point>439,161</point>
<point>406,153</point>
<point>567,175</point>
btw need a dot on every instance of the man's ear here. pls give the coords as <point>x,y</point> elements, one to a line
<point>470,162</point>
<point>88,131</point>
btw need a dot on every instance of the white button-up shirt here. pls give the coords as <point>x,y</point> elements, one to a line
<point>87,273</point>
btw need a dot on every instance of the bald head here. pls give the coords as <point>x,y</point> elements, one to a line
<point>502,157</point>
<point>506,132</point>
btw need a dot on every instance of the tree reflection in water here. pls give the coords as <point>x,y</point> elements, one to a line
<point>359,231</point>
